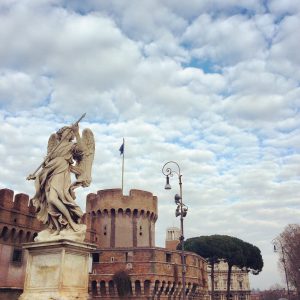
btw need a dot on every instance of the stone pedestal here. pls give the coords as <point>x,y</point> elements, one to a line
<point>57,270</point>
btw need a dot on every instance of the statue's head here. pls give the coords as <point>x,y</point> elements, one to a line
<point>65,133</point>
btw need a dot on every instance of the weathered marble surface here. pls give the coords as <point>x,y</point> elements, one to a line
<point>57,270</point>
<point>67,153</point>
<point>70,234</point>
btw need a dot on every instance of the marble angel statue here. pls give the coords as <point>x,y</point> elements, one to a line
<point>54,199</point>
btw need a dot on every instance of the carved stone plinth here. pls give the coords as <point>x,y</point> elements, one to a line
<point>57,270</point>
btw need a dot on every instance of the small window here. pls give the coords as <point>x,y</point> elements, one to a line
<point>17,256</point>
<point>216,284</point>
<point>96,257</point>
<point>112,259</point>
<point>129,256</point>
<point>168,257</point>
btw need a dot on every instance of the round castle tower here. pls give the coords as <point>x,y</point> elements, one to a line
<point>114,220</point>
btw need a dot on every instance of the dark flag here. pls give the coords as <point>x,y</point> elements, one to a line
<point>122,149</point>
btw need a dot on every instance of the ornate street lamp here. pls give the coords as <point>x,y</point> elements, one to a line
<point>283,252</point>
<point>181,211</point>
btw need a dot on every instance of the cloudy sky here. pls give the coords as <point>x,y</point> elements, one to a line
<point>211,84</point>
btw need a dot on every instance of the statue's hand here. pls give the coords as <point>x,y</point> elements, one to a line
<point>30,177</point>
<point>75,128</point>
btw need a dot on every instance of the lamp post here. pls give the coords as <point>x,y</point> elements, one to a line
<point>275,242</point>
<point>181,210</point>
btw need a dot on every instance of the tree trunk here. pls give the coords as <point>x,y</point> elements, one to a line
<point>212,280</point>
<point>228,281</point>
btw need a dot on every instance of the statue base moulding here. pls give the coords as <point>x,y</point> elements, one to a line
<point>57,270</point>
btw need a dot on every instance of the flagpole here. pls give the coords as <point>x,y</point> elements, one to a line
<point>123,165</point>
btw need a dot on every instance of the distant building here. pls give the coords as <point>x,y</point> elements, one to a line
<point>239,286</point>
<point>172,238</point>
<point>255,296</point>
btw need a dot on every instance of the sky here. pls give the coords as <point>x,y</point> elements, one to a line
<point>210,84</point>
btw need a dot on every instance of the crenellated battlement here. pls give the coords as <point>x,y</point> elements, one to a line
<point>109,200</point>
<point>19,202</point>
<point>117,220</point>
<point>6,198</point>
<point>17,217</point>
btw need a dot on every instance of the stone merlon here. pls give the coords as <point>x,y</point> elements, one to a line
<point>114,199</point>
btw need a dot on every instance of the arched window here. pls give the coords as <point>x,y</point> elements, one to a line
<point>173,288</point>
<point>102,288</point>
<point>163,285</point>
<point>168,288</point>
<point>138,290</point>
<point>4,233</point>
<point>156,286</point>
<point>188,288</point>
<point>94,288</point>
<point>147,287</point>
<point>17,256</point>
<point>194,288</point>
<point>111,288</point>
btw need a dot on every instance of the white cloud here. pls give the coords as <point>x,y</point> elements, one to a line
<point>18,89</point>
<point>213,39</point>
<point>283,54</point>
<point>278,7</point>
<point>195,8</point>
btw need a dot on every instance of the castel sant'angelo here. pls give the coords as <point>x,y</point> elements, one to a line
<point>123,229</point>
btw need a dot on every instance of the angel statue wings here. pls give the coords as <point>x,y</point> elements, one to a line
<point>67,153</point>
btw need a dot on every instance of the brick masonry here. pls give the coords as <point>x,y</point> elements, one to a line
<point>123,228</point>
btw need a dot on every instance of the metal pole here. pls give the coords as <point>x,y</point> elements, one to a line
<point>123,165</point>
<point>167,171</point>
<point>182,240</point>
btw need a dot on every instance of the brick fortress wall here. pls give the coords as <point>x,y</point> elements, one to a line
<point>18,225</point>
<point>123,228</point>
